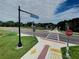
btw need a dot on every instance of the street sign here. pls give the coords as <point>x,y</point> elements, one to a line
<point>34,16</point>
<point>68,32</point>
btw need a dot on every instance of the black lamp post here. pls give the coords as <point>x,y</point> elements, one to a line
<point>19,43</point>
<point>31,15</point>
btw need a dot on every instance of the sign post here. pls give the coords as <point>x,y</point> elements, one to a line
<point>33,28</point>
<point>68,33</point>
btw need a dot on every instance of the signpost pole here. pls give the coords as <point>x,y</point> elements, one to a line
<point>33,27</point>
<point>68,33</point>
<point>67,48</point>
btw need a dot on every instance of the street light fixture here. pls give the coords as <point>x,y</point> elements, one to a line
<point>19,19</point>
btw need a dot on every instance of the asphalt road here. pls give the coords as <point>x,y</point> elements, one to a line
<point>72,39</point>
<point>44,33</point>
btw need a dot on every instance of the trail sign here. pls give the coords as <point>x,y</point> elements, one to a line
<point>34,16</point>
<point>69,32</point>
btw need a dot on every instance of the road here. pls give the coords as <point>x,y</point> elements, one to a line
<point>72,39</point>
<point>44,33</point>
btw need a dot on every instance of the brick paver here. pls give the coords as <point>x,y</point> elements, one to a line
<point>44,52</point>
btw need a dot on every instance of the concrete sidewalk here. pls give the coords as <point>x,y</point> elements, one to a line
<point>34,52</point>
<point>54,51</point>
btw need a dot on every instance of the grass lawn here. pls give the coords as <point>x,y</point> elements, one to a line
<point>8,45</point>
<point>74,52</point>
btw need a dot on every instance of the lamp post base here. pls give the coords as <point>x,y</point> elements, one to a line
<point>19,44</point>
<point>19,47</point>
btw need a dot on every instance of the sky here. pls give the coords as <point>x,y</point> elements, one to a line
<point>48,10</point>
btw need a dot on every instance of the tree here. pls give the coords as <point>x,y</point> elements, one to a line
<point>1,23</point>
<point>73,24</point>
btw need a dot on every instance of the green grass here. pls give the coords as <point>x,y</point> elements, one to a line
<point>74,52</point>
<point>8,45</point>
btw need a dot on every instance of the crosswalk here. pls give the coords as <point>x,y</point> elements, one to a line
<point>54,36</point>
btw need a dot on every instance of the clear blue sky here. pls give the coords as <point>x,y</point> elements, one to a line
<point>47,10</point>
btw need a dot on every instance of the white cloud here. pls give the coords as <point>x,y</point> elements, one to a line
<point>44,8</point>
<point>69,14</point>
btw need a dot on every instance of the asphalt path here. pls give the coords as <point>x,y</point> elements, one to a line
<point>44,33</point>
